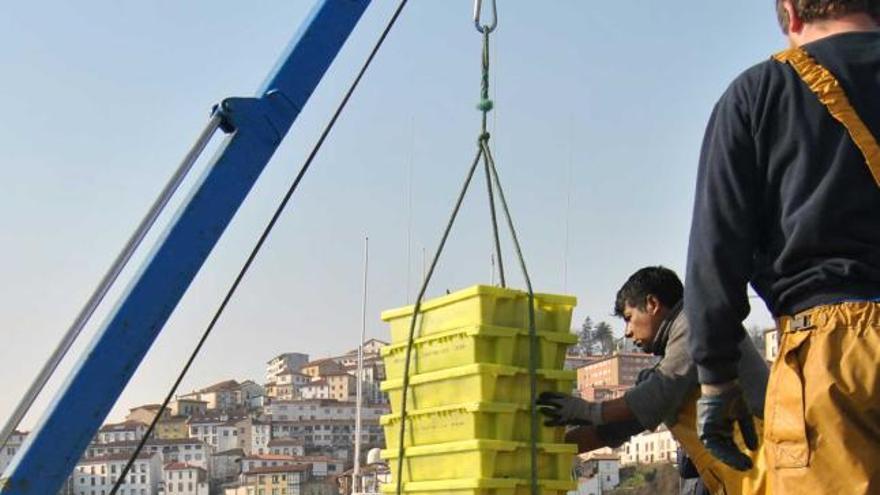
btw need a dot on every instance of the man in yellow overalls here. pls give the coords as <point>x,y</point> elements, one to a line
<point>788,200</point>
<point>650,302</point>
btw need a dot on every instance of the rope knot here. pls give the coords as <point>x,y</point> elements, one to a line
<point>484,137</point>
<point>485,105</point>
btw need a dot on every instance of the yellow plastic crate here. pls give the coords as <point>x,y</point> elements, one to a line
<point>474,383</point>
<point>481,305</point>
<point>482,487</point>
<point>481,420</point>
<point>477,344</point>
<point>482,459</point>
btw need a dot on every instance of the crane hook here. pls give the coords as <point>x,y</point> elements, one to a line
<point>485,28</point>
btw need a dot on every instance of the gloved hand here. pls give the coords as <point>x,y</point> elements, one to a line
<point>645,374</point>
<point>717,409</point>
<point>563,409</point>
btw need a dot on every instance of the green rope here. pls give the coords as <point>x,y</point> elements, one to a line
<point>485,104</point>
<point>533,334</point>
<point>417,309</point>
<point>493,183</point>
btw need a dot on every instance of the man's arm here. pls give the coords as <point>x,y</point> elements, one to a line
<point>720,263</point>
<point>722,239</point>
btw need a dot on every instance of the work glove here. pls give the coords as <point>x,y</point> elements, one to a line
<point>644,375</point>
<point>717,410</point>
<point>563,409</point>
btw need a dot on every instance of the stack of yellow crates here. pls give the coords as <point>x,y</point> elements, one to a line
<point>467,415</point>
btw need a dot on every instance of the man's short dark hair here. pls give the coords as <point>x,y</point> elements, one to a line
<point>657,281</point>
<point>817,10</point>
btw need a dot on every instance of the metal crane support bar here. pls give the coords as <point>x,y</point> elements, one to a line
<point>256,126</point>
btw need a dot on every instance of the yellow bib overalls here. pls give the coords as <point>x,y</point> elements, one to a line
<point>717,476</point>
<point>822,413</point>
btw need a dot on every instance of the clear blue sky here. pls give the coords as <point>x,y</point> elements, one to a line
<point>602,101</point>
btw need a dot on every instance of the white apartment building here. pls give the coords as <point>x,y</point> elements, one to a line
<point>287,446</point>
<point>189,450</point>
<point>322,409</point>
<point>649,447</point>
<point>291,361</point>
<point>322,466</point>
<point>97,475</point>
<point>372,376</point>
<point>252,462</point>
<point>219,432</point>
<point>597,474</point>
<point>120,432</point>
<point>371,352</point>
<point>317,389</point>
<point>287,385</point>
<point>184,479</point>
<point>329,432</point>
<point>254,436</point>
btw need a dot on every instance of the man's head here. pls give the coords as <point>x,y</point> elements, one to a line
<point>645,300</point>
<point>795,15</point>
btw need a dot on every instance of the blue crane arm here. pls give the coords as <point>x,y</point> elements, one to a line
<point>255,127</point>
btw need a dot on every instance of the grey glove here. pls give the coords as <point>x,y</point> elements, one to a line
<point>563,409</point>
<point>716,413</point>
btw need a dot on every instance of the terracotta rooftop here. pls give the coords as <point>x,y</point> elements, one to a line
<point>268,457</point>
<point>289,468</point>
<point>282,442</point>
<point>125,425</point>
<point>113,457</point>
<point>319,362</point>
<point>338,373</point>
<point>234,452</point>
<point>316,458</point>
<point>224,385</point>
<point>181,466</point>
<point>151,441</point>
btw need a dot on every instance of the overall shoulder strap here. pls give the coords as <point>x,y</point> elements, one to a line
<point>827,88</point>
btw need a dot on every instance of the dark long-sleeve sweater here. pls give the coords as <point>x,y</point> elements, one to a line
<point>784,200</point>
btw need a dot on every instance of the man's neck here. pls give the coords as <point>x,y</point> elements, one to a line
<point>817,30</point>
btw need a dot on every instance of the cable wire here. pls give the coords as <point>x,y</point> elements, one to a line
<point>244,269</point>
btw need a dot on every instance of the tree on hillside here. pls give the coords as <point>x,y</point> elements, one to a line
<point>604,336</point>
<point>585,337</point>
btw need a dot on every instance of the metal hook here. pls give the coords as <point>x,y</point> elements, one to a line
<point>485,28</point>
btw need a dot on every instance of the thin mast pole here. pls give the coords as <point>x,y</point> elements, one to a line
<point>356,473</point>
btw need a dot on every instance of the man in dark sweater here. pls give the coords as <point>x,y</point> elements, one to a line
<point>788,200</point>
<point>650,302</point>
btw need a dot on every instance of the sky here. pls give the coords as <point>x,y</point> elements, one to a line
<point>599,113</point>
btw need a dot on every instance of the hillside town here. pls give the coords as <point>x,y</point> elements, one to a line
<point>294,434</point>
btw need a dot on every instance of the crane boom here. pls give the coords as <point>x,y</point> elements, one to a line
<point>255,126</point>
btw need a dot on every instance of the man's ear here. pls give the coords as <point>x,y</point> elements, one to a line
<point>795,23</point>
<point>652,304</point>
